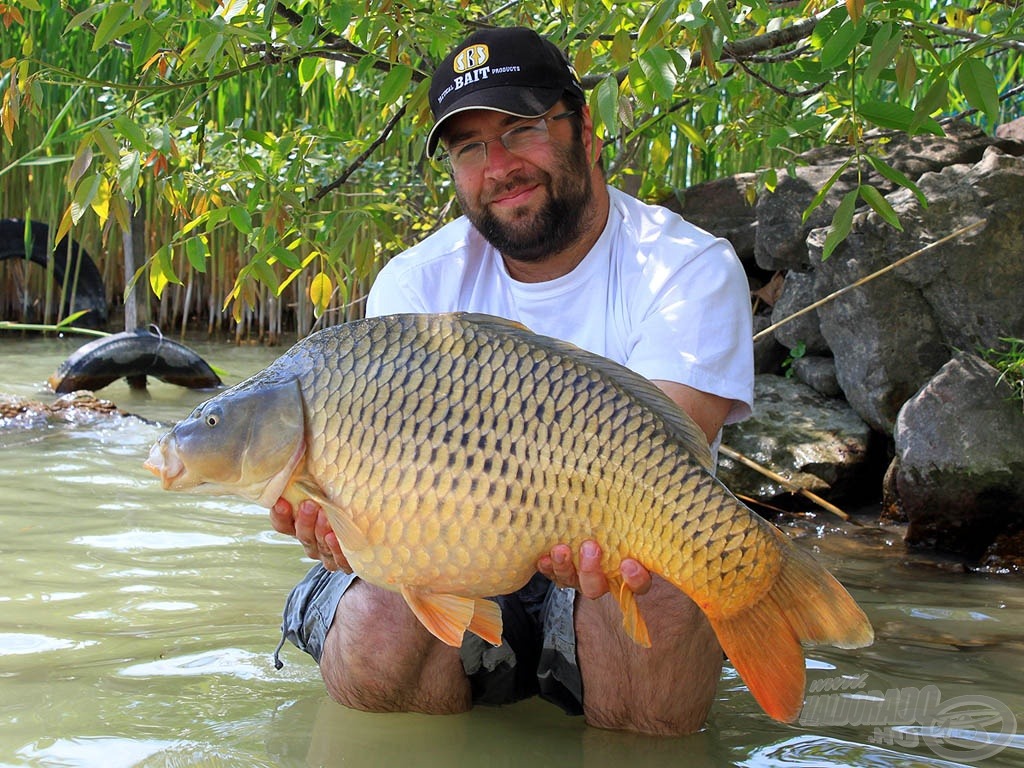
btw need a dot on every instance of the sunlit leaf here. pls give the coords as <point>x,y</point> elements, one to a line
<point>320,290</point>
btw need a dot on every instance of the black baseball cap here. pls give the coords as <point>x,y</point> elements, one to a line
<point>512,70</point>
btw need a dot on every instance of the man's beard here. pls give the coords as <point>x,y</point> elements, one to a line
<point>555,227</point>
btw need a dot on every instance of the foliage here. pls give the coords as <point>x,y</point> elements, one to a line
<point>275,151</point>
<point>1009,361</point>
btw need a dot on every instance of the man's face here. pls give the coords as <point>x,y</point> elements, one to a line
<point>528,205</point>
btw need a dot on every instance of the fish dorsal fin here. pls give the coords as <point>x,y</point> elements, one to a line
<point>680,424</point>
<point>447,617</point>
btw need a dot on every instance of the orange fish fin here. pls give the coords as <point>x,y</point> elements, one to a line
<point>486,621</point>
<point>446,617</point>
<point>806,604</point>
<point>761,646</point>
<point>632,622</point>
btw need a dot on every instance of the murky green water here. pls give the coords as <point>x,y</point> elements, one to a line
<point>137,627</point>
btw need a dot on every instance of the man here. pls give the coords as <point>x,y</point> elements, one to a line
<point>545,242</point>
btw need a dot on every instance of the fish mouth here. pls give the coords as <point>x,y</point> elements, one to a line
<point>165,464</point>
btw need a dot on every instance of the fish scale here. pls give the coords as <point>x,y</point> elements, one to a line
<point>450,452</point>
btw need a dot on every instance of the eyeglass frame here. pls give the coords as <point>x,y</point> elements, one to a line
<point>446,155</point>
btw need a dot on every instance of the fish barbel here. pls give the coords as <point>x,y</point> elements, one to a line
<point>451,451</point>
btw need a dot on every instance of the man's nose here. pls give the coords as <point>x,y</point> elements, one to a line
<point>500,161</point>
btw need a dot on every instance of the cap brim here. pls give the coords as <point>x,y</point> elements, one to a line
<point>519,102</point>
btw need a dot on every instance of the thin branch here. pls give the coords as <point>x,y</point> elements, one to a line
<point>358,162</point>
<point>784,482</point>
<point>899,262</point>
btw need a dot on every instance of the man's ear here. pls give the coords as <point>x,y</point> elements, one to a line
<point>591,143</point>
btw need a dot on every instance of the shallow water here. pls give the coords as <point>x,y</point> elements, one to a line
<point>137,629</point>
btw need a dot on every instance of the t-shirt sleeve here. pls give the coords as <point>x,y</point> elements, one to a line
<point>695,326</point>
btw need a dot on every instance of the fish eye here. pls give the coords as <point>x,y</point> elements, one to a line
<point>212,419</point>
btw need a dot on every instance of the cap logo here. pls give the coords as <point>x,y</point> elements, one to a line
<point>470,58</point>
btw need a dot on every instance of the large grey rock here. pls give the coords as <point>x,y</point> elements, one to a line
<point>818,443</point>
<point>959,476</point>
<point>892,334</point>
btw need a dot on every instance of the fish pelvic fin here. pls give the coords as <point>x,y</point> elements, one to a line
<point>486,621</point>
<point>447,617</point>
<point>632,622</point>
<point>806,604</point>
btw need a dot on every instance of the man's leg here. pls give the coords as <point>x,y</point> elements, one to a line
<point>374,654</point>
<point>378,657</point>
<point>666,689</point>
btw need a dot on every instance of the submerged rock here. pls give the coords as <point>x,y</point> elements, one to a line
<point>959,476</point>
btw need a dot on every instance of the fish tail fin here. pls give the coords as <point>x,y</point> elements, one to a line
<point>806,604</point>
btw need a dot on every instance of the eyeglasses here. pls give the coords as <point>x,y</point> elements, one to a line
<point>473,154</point>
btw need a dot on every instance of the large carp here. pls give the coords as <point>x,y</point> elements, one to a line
<point>451,451</point>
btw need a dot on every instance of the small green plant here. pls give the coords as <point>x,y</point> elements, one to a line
<point>794,354</point>
<point>1009,361</point>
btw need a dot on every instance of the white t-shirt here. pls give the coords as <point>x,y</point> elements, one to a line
<point>655,293</point>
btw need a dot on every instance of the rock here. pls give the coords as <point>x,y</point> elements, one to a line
<point>819,373</point>
<point>960,476</point>
<point>798,293</point>
<point>781,231</point>
<point>892,334</point>
<point>74,407</point>
<point>819,444</point>
<point>1012,130</point>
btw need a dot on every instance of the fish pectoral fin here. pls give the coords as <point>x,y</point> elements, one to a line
<point>446,617</point>
<point>351,538</point>
<point>632,622</point>
<point>486,621</point>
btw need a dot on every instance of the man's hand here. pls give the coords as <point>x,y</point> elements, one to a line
<point>310,526</point>
<point>589,579</point>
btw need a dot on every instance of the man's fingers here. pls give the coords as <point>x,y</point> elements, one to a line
<point>281,518</point>
<point>637,578</point>
<point>592,580</point>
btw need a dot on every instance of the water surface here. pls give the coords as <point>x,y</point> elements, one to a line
<point>137,629</point>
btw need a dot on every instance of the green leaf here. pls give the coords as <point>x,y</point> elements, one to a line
<point>395,84</point>
<point>605,100</point>
<point>896,177</point>
<point>884,46</point>
<point>197,253</point>
<point>896,116</point>
<point>842,220</point>
<point>111,24</point>
<point>820,196</point>
<point>309,68</point>
<point>659,70</point>
<point>838,47</point>
<point>881,206</point>
<point>132,132</point>
<point>979,86</point>
<point>651,28</point>
<point>241,218</point>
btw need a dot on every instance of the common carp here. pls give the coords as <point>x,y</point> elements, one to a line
<point>451,451</point>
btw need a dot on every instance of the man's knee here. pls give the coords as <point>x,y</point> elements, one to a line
<point>378,658</point>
